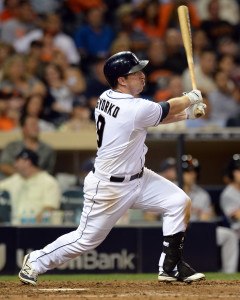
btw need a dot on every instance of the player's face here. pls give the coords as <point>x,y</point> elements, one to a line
<point>135,83</point>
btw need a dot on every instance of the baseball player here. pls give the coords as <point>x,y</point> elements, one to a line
<point>120,181</point>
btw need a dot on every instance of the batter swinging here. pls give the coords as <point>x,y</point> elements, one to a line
<point>120,181</point>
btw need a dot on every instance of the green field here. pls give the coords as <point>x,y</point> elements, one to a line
<point>100,277</point>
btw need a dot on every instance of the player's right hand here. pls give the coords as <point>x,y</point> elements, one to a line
<point>194,96</point>
<point>191,110</point>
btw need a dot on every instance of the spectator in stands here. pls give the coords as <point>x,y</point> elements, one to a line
<point>157,70</point>
<point>228,10</point>
<point>94,38</point>
<point>14,76</point>
<point>222,101</point>
<point>176,57</point>
<point>6,123</point>
<point>79,119</point>
<point>35,49</point>
<point>148,23</point>
<point>10,10</point>
<point>44,7</point>
<point>60,98</point>
<point>15,104</point>
<point>81,6</point>
<point>73,76</point>
<point>204,71</point>
<point>6,50</point>
<point>214,26</point>
<point>30,139</point>
<point>233,122</point>
<point>33,192</point>
<point>200,42</point>
<point>202,211</point>
<point>168,170</point>
<point>121,43</point>
<point>228,64</point>
<point>168,17</point>
<point>31,63</point>
<point>18,27</point>
<point>227,46</point>
<point>230,196</point>
<point>96,85</point>
<point>52,34</point>
<point>174,88</point>
<point>34,106</point>
<point>48,48</point>
<point>126,19</point>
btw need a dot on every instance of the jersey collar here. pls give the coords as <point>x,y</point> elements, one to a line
<point>118,95</point>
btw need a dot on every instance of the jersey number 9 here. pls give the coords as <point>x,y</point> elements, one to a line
<point>100,130</point>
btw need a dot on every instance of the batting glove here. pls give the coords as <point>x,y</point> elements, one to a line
<point>194,96</point>
<point>192,110</point>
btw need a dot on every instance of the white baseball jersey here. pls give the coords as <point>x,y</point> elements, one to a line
<point>122,122</point>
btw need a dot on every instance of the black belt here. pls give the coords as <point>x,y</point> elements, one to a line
<point>121,179</point>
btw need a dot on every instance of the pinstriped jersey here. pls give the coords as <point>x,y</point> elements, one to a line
<point>121,124</point>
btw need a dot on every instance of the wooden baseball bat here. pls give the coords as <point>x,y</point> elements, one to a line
<point>184,20</point>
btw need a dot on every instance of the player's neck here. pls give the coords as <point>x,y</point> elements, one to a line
<point>123,90</point>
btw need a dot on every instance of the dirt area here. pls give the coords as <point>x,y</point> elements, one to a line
<point>137,290</point>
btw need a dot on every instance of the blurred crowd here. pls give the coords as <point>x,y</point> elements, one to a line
<point>52,54</point>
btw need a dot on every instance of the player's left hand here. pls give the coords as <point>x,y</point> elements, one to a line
<point>190,111</point>
<point>195,96</point>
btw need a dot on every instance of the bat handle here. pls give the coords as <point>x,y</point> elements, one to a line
<point>192,73</point>
<point>194,86</point>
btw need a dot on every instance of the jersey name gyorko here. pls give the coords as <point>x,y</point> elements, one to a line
<point>121,122</point>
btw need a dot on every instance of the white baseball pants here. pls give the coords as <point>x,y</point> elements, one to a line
<point>105,202</point>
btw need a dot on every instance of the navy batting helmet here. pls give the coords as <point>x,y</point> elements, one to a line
<point>121,64</point>
<point>233,164</point>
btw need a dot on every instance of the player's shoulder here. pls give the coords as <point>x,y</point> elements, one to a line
<point>145,104</point>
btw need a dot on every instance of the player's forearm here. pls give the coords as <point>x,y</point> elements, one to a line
<point>174,118</point>
<point>178,105</point>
